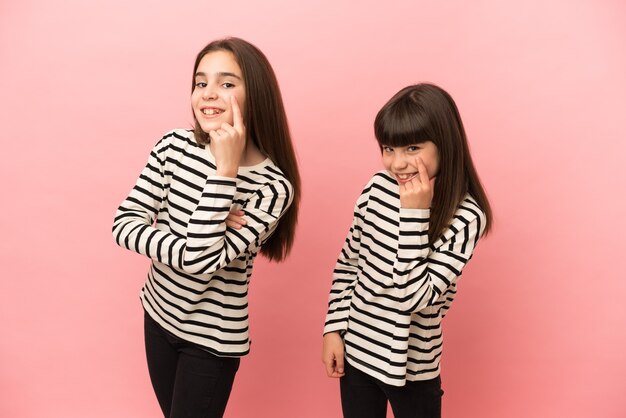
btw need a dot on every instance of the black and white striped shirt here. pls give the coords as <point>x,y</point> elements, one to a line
<point>391,289</point>
<point>197,285</point>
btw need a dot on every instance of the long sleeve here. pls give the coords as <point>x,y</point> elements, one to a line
<point>422,276</point>
<point>210,245</point>
<point>345,274</point>
<point>197,285</point>
<point>391,286</point>
<point>207,244</point>
<point>447,298</point>
<point>133,224</point>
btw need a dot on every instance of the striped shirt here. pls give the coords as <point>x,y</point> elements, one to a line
<point>197,284</point>
<point>391,289</point>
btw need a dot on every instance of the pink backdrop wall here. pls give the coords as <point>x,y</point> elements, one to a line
<point>539,327</point>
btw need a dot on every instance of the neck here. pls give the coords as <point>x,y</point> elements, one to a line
<point>251,155</point>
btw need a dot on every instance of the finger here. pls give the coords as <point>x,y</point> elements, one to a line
<point>233,217</point>
<point>416,182</point>
<point>408,186</point>
<point>231,224</point>
<point>237,117</point>
<point>236,219</point>
<point>228,129</point>
<point>330,369</point>
<point>339,363</point>
<point>422,171</point>
<point>217,134</point>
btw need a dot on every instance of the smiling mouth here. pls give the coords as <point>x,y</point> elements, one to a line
<point>211,111</point>
<point>406,177</point>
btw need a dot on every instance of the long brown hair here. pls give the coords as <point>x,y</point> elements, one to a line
<point>266,126</point>
<point>426,112</point>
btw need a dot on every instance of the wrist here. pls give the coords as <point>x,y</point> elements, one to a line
<point>332,334</point>
<point>226,171</point>
<point>414,205</point>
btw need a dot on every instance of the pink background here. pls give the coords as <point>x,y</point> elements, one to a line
<point>539,326</point>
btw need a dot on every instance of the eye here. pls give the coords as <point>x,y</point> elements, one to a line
<point>413,148</point>
<point>228,85</point>
<point>387,149</point>
<point>201,84</point>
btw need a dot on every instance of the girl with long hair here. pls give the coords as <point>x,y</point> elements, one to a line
<point>415,227</point>
<point>206,204</point>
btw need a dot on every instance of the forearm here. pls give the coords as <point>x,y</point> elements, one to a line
<point>207,248</point>
<point>345,274</point>
<point>161,246</point>
<point>340,297</point>
<point>421,278</point>
<point>204,249</point>
<point>413,246</point>
<point>338,307</point>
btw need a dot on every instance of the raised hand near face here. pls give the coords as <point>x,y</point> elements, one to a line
<point>229,142</point>
<point>418,193</point>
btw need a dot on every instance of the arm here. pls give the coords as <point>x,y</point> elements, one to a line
<point>209,245</point>
<point>133,224</point>
<point>448,297</point>
<point>345,275</point>
<point>420,276</point>
<point>333,354</point>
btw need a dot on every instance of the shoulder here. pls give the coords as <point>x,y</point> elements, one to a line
<point>381,184</point>
<point>267,186</point>
<point>381,179</point>
<point>468,221</point>
<point>179,137</point>
<point>380,187</point>
<point>174,142</point>
<point>469,211</point>
<point>268,175</point>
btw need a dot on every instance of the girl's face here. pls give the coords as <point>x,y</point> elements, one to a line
<point>217,78</point>
<point>401,162</point>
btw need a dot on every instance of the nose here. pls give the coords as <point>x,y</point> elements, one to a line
<point>399,162</point>
<point>209,93</point>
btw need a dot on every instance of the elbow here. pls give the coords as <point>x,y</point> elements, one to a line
<point>116,232</point>
<point>189,265</point>
<point>198,265</point>
<point>415,302</point>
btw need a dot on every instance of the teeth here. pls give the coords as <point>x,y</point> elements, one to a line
<point>211,111</point>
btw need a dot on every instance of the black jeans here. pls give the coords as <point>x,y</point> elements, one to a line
<point>187,380</point>
<point>363,396</point>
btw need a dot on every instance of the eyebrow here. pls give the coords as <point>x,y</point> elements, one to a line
<point>220,75</point>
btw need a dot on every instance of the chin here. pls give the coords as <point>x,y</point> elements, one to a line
<point>213,126</point>
<point>208,127</point>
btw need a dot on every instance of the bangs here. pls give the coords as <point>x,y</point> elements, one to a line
<point>402,122</point>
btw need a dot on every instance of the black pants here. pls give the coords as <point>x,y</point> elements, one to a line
<point>362,396</point>
<point>187,380</point>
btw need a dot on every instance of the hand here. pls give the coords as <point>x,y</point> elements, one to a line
<point>235,219</point>
<point>229,142</point>
<point>333,354</point>
<point>418,193</point>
